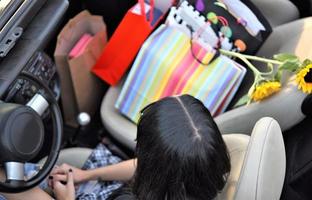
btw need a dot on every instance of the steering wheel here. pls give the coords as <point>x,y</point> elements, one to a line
<point>22,134</point>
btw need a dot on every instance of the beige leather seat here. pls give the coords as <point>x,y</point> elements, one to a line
<point>258,162</point>
<point>277,12</point>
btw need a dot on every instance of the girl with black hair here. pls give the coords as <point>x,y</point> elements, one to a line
<point>180,156</point>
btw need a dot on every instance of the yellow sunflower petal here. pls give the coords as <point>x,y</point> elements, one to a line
<point>265,90</point>
<point>306,87</point>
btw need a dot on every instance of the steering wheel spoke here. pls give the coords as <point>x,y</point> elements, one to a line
<point>38,103</point>
<point>14,171</point>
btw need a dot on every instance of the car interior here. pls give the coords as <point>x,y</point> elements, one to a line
<point>269,142</point>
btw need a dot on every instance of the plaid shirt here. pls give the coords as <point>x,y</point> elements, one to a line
<point>98,190</point>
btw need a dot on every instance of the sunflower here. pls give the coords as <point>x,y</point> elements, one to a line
<point>265,89</point>
<point>304,79</point>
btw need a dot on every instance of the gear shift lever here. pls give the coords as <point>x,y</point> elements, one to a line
<point>83,120</point>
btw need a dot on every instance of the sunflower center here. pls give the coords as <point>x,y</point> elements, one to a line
<point>308,77</point>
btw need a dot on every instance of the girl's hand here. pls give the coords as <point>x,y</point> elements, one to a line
<point>59,174</point>
<point>64,191</point>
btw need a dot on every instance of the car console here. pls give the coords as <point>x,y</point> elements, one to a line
<point>41,67</point>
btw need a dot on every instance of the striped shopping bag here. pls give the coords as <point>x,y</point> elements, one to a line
<point>169,64</point>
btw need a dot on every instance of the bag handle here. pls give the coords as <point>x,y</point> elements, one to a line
<point>152,7</point>
<point>216,55</point>
<point>151,14</point>
<point>196,34</point>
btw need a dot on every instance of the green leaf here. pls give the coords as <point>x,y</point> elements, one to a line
<point>306,62</point>
<point>278,76</point>
<point>242,101</point>
<point>285,56</point>
<point>290,65</point>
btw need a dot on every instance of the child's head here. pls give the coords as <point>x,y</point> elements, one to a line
<point>181,153</point>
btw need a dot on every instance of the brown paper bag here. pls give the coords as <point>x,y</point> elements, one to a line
<point>81,90</point>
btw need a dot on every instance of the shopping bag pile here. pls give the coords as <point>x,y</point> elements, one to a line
<point>165,66</point>
<point>182,55</point>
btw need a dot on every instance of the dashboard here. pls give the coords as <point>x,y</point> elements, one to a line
<point>27,55</point>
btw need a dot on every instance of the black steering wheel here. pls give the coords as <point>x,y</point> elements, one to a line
<point>22,135</point>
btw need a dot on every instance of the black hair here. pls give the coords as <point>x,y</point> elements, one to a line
<point>180,151</point>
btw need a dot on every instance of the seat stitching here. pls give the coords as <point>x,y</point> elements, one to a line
<point>262,150</point>
<point>246,155</point>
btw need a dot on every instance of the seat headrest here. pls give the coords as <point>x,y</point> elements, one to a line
<point>263,171</point>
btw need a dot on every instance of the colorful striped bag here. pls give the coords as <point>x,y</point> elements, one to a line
<point>170,64</point>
